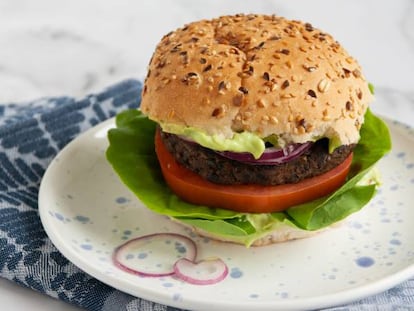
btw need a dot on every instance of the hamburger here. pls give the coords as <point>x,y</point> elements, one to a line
<point>257,130</point>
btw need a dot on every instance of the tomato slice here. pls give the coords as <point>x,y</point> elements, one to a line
<point>245,198</point>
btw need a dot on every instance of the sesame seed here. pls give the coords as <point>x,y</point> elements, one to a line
<point>274,120</point>
<point>285,84</point>
<point>274,38</point>
<point>309,68</point>
<point>237,100</point>
<point>309,27</point>
<point>161,64</point>
<point>349,60</point>
<point>206,101</point>
<point>349,106</point>
<point>176,48</point>
<point>324,85</point>
<point>312,93</point>
<point>347,72</point>
<point>218,112</point>
<point>359,94</point>
<point>250,71</point>
<point>190,78</point>
<point>221,86</point>
<point>300,122</point>
<point>233,50</point>
<point>261,103</point>
<point>204,50</point>
<point>261,44</point>
<point>243,90</point>
<point>287,96</point>
<point>252,57</point>
<point>207,68</point>
<point>356,73</point>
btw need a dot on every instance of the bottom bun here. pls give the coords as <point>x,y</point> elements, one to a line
<point>283,233</point>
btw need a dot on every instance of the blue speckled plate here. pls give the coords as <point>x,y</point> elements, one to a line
<point>87,212</point>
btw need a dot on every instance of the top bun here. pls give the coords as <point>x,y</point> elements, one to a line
<point>256,73</point>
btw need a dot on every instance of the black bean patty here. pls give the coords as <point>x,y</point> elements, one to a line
<point>220,170</point>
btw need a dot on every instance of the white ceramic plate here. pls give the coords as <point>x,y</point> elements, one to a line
<point>87,212</point>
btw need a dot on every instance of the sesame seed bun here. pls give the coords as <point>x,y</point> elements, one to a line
<point>256,73</point>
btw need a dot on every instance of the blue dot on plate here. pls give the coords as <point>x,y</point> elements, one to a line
<point>395,242</point>
<point>236,273</point>
<point>177,297</point>
<point>365,262</point>
<point>121,200</point>
<point>59,217</point>
<point>284,295</point>
<point>394,187</point>
<point>400,154</point>
<point>142,255</point>
<point>86,247</point>
<point>180,248</point>
<point>82,219</point>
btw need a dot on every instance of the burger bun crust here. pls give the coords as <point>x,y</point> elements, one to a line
<point>257,73</point>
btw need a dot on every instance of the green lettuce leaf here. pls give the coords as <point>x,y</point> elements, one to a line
<point>375,142</point>
<point>131,154</point>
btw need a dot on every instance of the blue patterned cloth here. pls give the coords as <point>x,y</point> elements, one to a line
<point>31,134</point>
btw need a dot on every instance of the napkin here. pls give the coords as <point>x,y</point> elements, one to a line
<point>31,134</point>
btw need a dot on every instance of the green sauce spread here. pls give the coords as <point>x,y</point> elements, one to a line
<point>240,142</point>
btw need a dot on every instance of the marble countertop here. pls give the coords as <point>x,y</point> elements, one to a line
<point>51,48</point>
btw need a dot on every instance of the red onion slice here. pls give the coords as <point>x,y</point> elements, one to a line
<point>204,272</point>
<point>154,254</point>
<point>271,156</point>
